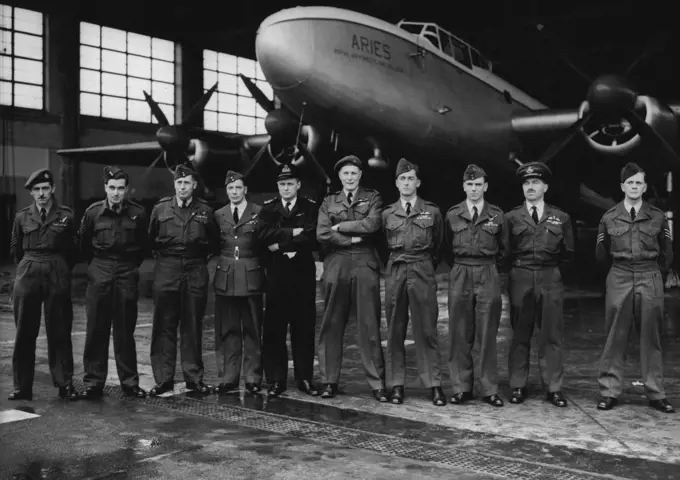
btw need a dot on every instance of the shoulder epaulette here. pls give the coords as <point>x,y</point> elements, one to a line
<point>164,199</point>
<point>611,210</point>
<point>309,200</point>
<point>453,207</point>
<point>201,200</point>
<point>98,203</point>
<point>427,202</point>
<point>369,190</point>
<point>270,200</point>
<point>495,207</point>
<point>136,204</point>
<point>519,206</point>
<point>25,209</point>
<point>66,207</point>
<point>657,209</point>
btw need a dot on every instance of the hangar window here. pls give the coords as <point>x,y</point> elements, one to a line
<point>22,40</point>
<point>117,67</point>
<point>233,109</point>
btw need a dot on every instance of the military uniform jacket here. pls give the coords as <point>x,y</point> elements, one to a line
<point>172,234</point>
<point>416,236</point>
<point>105,233</point>
<point>487,240</point>
<point>550,243</point>
<point>239,272</point>
<point>278,226</point>
<point>362,219</point>
<point>30,236</point>
<point>641,245</point>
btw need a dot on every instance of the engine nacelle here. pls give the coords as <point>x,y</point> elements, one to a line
<point>618,137</point>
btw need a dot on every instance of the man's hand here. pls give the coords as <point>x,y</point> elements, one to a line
<point>356,240</point>
<point>297,231</point>
<point>336,228</point>
<point>273,247</point>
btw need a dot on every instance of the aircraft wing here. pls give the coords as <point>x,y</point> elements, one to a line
<point>128,147</point>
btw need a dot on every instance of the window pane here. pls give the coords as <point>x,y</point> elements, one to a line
<point>5,67</point>
<point>28,96</point>
<point>209,79</point>
<point>6,42</point>
<point>266,89</point>
<point>246,66</point>
<point>90,104</point>
<point>246,125</point>
<point>137,87</point>
<point>258,70</point>
<point>227,123</point>
<point>212,103</point>
<point>259,111</point>
<point>169,112</point>
<point>259,126</point>
<point>227,103</point>
<point>113,61</point>
<point>139,66</point>
<point>90,58</point>
<point>113,38</point>
<point>138,111</point>
<point>209,60</point>
<point>5,93</point>
<point>28,21</point>
<point>113,107</point>
<point>28,46</point>
<point>163,92</point>
<point>246,106</point>
<point>28,71</point>
<point>163,71</point>
<point>163,49</point>
<point>139,44</point>
<point>210,120</point>
<point>227,63</point>
<point>229,83</point>
<point>113,85</point>
<point>6,16</point>
<point>90,34</point>
<point>90,81</point>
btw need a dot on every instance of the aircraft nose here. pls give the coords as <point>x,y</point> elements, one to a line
<point>285,50</point>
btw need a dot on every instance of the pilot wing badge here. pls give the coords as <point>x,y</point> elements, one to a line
<point>554,220</point>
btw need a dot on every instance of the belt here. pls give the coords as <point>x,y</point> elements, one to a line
<point>237,253</point>
<point>39,256</point>
<point>118,257</point>
<point>474,261</point>
<point>636,265</point>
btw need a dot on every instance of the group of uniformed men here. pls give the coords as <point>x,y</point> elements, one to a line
<point>488,251</point>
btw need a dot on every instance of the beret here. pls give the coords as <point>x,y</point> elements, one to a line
<point>39,176</point>
<point>348,160</point>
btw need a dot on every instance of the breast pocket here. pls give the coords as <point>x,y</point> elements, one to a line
<point>337,214</point>
<point>619,238</point>
<point>520,238</point>
<point>31,233</point>
<point>168,227</point>
<point>104,235</point>
<point>422,231</point>
<point>129,230</point>
<point>361,210</point>
<point>460,234</point>
<point>553,237</point>
<point>487,237</point>
<point>197,227</point>
<point>649,237</point>
<point>394,233</point>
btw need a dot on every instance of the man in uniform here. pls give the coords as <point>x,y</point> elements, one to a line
<point>238,286</point>
<point>183,234</point>
<point>112,237</point>
<point>636,236</point>
<point>414,231</point>
<point>478,238</point>
<point>347,226</point>
<point>541,239</point>
<point>44,248</point>
<point>290,234</point>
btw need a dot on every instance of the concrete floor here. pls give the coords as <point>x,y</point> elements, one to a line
<point>351,436</point>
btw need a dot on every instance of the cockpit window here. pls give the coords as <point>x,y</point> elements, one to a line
<point>411,28</point>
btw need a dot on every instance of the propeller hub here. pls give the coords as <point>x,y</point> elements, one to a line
<point>280,124</point>
<point>611,94</point>
<point>173,139</point>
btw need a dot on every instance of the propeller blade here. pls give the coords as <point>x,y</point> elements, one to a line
<point>259,96</point>
<point>193,116</point>
<point>560,143</point>
<point>655,45</point>
<point>256,159</point>
<point>310,157</point>
<point>146,173</point>
<point>646,130</point>
<point>156,110</point>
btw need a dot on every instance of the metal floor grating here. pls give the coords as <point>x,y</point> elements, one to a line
<point>465,459</point>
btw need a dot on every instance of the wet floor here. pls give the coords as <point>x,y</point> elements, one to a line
<point>350,436</point>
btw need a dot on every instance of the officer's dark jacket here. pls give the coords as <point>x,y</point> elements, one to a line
<point>278,226</point>
<point>238,271</point>
<point>415,236</point>
<point>56,236</point>
<point>641,245</point>
<point>550,243</point>
<point>487,239</point>
<point>171,235</point>
<point>360,219</point>
<point>106,233</point>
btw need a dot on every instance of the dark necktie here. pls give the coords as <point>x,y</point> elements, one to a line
<point>408,208</point>
<point>287,207</point>
<point>235,215</point>
<point>475,214</point>
<point>43,214</point>
<point>184,204</point>
<point>534,214</point>
<point>349,198</point>
<point>632,213</point>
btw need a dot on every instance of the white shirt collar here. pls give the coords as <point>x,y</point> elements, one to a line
<point>627,205</point>
<point>540,206</point>
<point>354,193</point>
<point>292,201</point>
<point>189,201</point>
<point>412,202</point>
<point>479,206</point>
<point>241,207</point>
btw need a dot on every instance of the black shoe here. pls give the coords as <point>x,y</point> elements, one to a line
<point>662,405</point>
<point>381,395</point>
<point>494,400</point>
<point>134,391</point>
<point>223,388</point>
<point>19,395</point>
<point>438,397</point>
<point>253,388</point>
<point>69,392</point>
<point>398,394</point>
<point>607,403</point>
<point>461,397</point>
<point>519,395</point>
<point>161,388</point>
<point>90,393</point>
<point>200,387</point>
<point>276,389</point>
<point>557,399</point>
<point>308,387</point>
<point>329,390</point>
